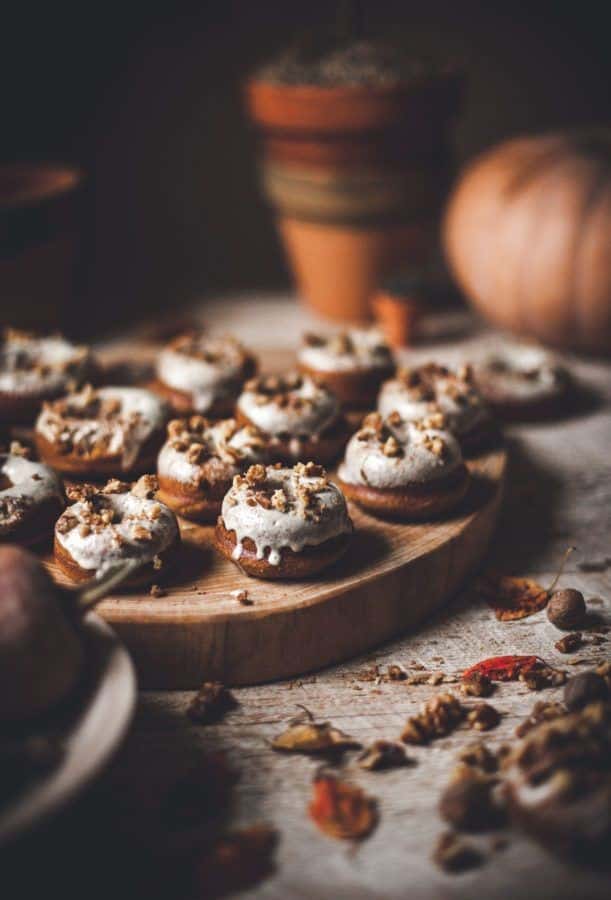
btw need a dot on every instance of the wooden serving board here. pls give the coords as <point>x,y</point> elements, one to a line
<point>392,577</point>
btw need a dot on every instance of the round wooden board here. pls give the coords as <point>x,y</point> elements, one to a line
<point>392,577</point>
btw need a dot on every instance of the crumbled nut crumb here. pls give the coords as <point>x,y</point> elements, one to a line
<point>569,643</point>
<point>210,703</point>
<point>483,716</point>
<point>241,595</point>
<point>157,591</point>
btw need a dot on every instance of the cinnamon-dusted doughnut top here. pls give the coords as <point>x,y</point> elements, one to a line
<point>294,405</point>
<point>418,392</point>
<point>40,366</point>
<point>116,522</point>
<point>388,453</point>
<point>104,422</point>
<point>24,485</point>
<point>354,349</point>
<point>519,373</point>
<point>209,367</point>
<point>197,449</point>
<point>280,507</point>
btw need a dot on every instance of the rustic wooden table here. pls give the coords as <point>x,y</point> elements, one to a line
<point>559,493</point>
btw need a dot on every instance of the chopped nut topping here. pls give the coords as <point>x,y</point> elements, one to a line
<point>18,449</point>
<point>157,591</point>
<point>392,447</point>
<point>146,487</point>
<point>256,475</point>
<point>210,703</point>
<point>139,533</point>
<point>114,486</point>
<point>279,500</point>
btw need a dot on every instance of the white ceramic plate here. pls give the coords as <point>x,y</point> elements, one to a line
<point>96,729</point>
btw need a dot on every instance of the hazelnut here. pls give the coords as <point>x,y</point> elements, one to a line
<point>587,687</point>
<point>566,609</point>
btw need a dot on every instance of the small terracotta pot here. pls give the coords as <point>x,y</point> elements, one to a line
<point>357,176</point>
<point>396,315</point>
<point>338,267</point>
<point>39,207</point>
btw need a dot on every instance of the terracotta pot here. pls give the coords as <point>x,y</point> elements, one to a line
<point>38,242</point>
<point>338,267</point>
<point>357,176</point>
<point>397,315</point>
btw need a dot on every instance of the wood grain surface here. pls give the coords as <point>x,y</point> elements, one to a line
<point>558,493</point>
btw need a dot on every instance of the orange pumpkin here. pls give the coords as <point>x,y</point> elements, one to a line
<point>527,233</point>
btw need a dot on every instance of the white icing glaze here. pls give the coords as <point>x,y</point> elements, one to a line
<point>231,449</point>
<point>116,541</point>
<point>520,371</point>
<point>272,529</point>
<point>456,398</point>
<point>207,380</point>
<point>355,349</point>
<point>366,463</point>
<point>139,414</point>
<point>32,483</point>
<point>23,355</point>
<point>311,408</point>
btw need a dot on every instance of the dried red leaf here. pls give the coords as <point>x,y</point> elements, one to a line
<point>504,668</point>
<point>341,810</point>
<point>236,861</point>
<point>512,598</point>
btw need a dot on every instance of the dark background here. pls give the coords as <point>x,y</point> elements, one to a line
<point>147,98</point>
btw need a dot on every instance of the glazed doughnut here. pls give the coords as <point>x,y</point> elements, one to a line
<point>300,416</point>
<point>402,469</point>
<point>353,364</point>
<point>283,522</point>
<point>117,522</point>
<point>202,373</point>
<point>97,433</point>
<point>416,393</point>
<point>198,462</point>
<point>31,498</point>
<point>521,381</point>
<point>33,369</point>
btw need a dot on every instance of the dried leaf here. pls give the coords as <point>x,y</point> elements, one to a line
<point>383,755</point>
<point>341,810</point>
<point>236,861</point>
<point>503,668</point>
<point>312,737</point>
<point>512,598</point>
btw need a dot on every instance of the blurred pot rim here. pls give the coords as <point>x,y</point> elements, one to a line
<point>30,183</point>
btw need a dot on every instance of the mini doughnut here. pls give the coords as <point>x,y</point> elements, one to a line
<point>353,364</point>
<point>283,523</point>
<point>33,369</point>
<point>416,393</point>
<point>198,462</point>
<point>31,498</point>
<point>404,470</point>
<point>521,381</point>
<point>113,523</point>
<point>202,373</point>
<point>300,416</point>
<point>97,433</point>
